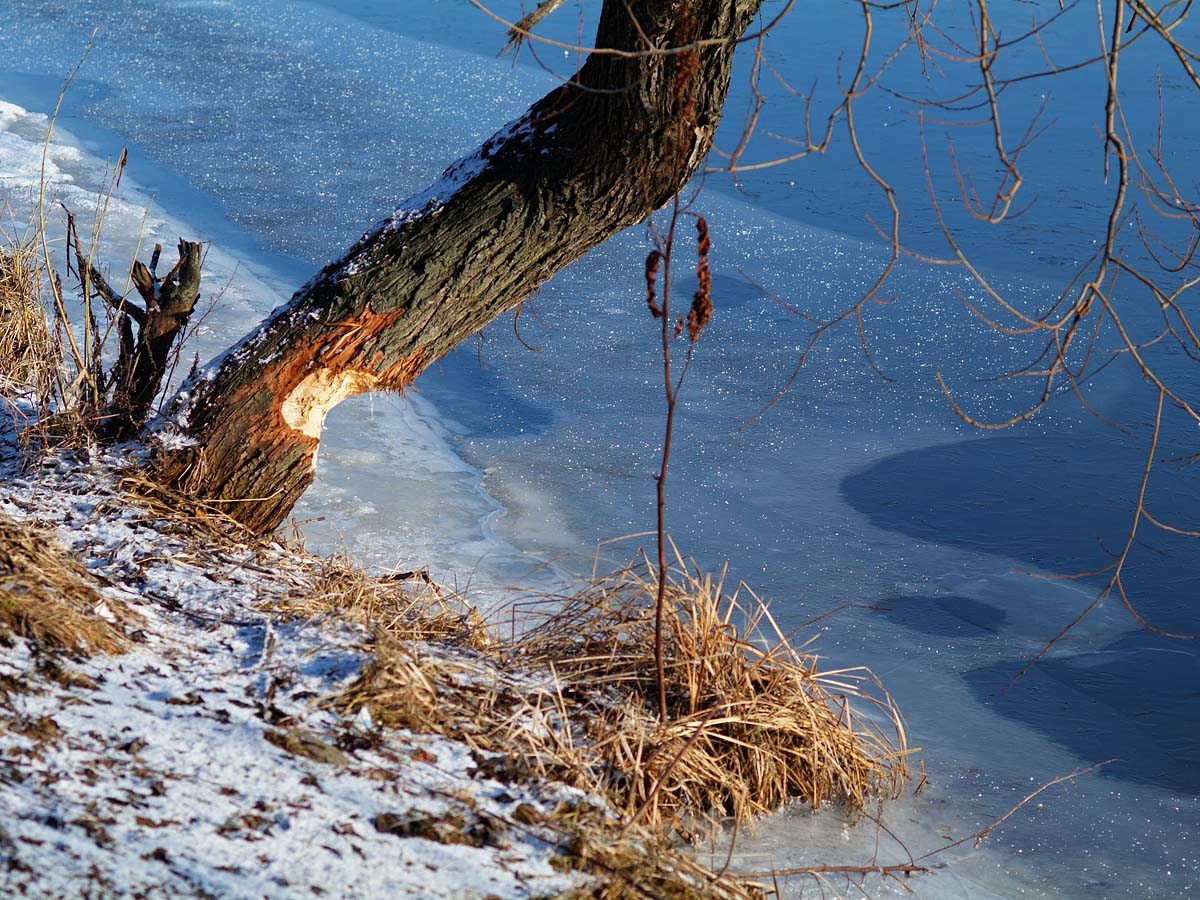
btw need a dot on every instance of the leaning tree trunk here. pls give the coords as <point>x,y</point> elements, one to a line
<point>594,156</point>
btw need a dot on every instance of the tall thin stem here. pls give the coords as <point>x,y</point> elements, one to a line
<point>670,391</point>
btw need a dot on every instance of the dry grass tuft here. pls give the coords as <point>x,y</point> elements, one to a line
<point>399,608</point>
<point>753,723</point>
<point>30,358</point>
<point>180,513</point>
<point>424,691</point>
<point>52,600</point>
<point>632,866</point>
<point>37,387</point>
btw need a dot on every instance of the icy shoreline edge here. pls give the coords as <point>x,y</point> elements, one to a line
<point>206,760</point>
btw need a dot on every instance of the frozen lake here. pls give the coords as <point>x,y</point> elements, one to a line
<point>281,130</point>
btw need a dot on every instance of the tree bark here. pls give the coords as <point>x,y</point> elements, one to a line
<point>127,398</point>
<point>589,159</point>
<point>143,362</point>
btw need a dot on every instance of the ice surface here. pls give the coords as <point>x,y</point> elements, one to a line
<point>304,126</point>
<point>854,492</point>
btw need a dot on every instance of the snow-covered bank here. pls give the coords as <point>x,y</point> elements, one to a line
<point>202,762</point>
<point>261,723</point>
<point>240,732</point>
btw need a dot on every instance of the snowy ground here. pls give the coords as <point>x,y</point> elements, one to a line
<point>203,762</point>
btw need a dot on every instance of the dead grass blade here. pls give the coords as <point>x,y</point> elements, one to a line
<point>30,358</point>
<point>50,599</point>
<point>180,514</point>
<point>399,607</point>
